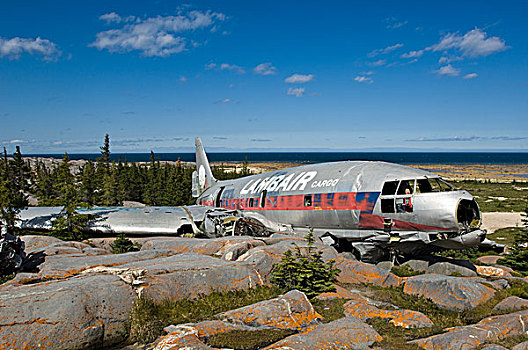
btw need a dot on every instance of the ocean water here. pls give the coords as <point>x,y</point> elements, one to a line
<point>320,157</point>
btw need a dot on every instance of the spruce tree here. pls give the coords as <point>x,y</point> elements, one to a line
<point>69,222</point>
<point>13,182</point>
<point>88,188</point>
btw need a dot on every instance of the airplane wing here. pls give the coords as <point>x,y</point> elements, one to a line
<point>193,219</point>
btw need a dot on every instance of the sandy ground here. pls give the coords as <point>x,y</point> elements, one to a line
<point>492,172</point>
<point>495,221</point>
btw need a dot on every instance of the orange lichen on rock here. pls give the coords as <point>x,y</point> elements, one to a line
<point>494,271</point>
<point>400,318</point>
<point>291,311</point>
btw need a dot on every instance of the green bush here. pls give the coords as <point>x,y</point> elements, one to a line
<point>124,245</point>
<point>307,272</point>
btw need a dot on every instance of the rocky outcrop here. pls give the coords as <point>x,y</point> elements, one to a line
<point>521,346</point>
<point>356,272</point>
<point>511,304</point>
<point>486,331</point>
<point>452,293</point>
<point>291,311</point>
<point>345,333</point>
<point>82,301</point>
<point>442,266</point>
<point>191,275</point>
<point>53,246</point>
<point>489,259</point>
<point>181,338</point>
<point>493,347</point>
<point>81,312</point>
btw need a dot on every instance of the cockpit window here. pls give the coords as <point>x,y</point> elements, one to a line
<point>406,187</point>
<point>432,185</point>
<point>445,185</point>
<point>389,188</point>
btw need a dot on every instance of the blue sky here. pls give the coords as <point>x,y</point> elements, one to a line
<point>273,75</point>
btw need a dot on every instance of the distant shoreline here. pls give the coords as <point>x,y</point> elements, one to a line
<point>458,172</point>
<point>422,158</point>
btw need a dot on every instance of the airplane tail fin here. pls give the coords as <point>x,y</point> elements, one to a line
<point>203,176</point>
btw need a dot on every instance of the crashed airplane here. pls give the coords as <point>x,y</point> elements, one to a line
<point>374,209</point>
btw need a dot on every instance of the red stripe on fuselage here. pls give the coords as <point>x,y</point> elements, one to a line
<point>364,201</point>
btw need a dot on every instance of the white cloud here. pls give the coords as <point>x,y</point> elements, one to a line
<point>411,54</point>
<point>384,50</point>
<point>224,101</point>
<point>265,69</point>
<point>394,23</point>
<point>363,79</point>
<point>377,63</point>
<point>14,47</point>
<point>297,92</point>
<point>472,44</point>
<point>448,70</point>
<point>183,79</point>
<point>470,76</point>
<point>225,66</point>
<point>17,141</point>
<point>299,79</point>
<point>155,36</point>
<point>232,67</point>
<point>112,17</point>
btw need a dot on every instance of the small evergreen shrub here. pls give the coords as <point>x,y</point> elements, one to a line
<point>306,272</point>
<point>124,245</point>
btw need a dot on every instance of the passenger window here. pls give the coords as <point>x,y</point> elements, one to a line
<point>387,205</point>
<point>250,203</point>
<point>307,200</point>
<point>406,187</point>
<point>389,188</point>
<point>263,199</point>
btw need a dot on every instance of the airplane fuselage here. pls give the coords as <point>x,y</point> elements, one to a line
<point>352,199</point>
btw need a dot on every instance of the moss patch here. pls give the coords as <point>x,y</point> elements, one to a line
<point>331,310</point>
<point>248,340</point>
<point>405,271</point>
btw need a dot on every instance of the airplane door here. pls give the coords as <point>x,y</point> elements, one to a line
<point>218,197</point>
